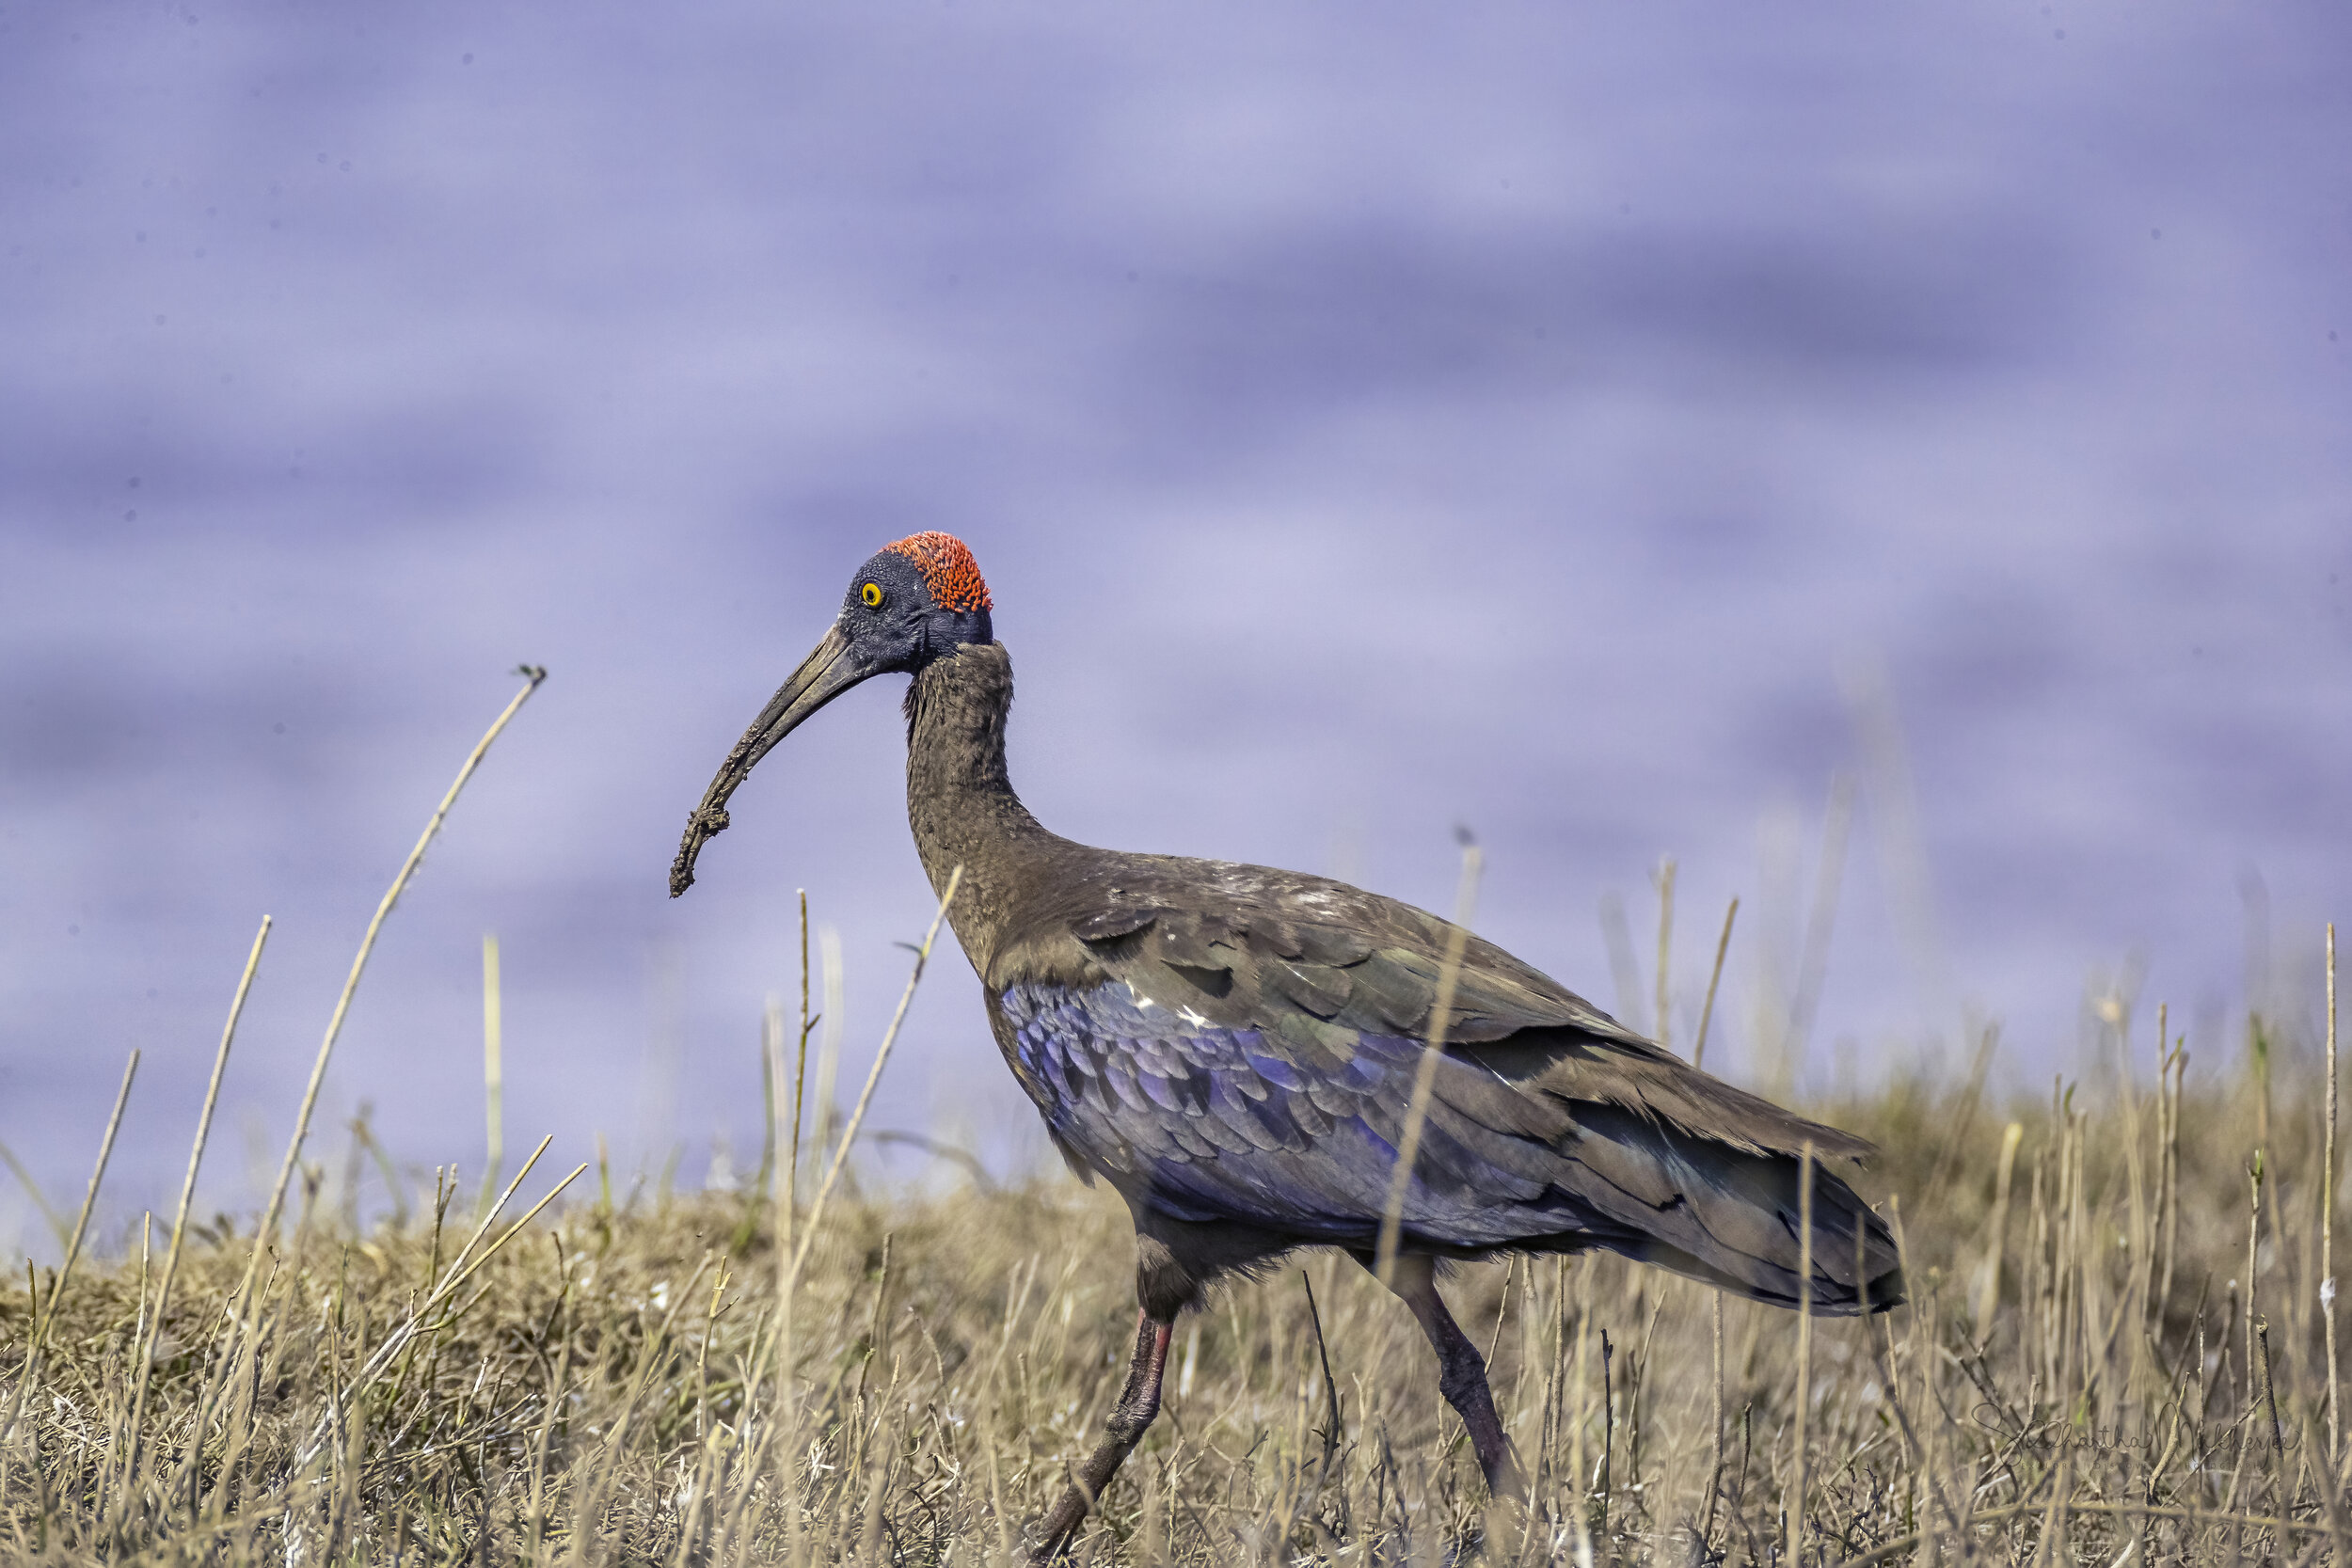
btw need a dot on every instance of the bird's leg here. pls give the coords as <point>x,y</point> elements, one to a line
<point>1137,1403</point>
<point>1461,1371</point>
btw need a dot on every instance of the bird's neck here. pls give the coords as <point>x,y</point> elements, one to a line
<point>959,800</point>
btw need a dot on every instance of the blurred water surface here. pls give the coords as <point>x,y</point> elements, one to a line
<point>1604,427</point>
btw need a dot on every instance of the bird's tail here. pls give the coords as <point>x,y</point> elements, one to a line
<point>1743,1230</point>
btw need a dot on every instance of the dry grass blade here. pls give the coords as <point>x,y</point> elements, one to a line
<point>90,1198</point>
<point>1664,878</point>
<point>1798,1487</point>
<point>1425,1074</point>
<point>1715,1298</point>
<point>44,1322</point>
<point>2327,1218</point>
<point>49,1215</point>
<point>1715,979</point>
<point>180,1220</point>
<point>493,1065</point>
<point>275,1208</point>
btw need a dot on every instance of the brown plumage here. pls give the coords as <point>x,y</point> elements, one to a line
<point>1233,1050</point>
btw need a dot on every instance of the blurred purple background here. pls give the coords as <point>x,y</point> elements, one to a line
<point>1601,426</point>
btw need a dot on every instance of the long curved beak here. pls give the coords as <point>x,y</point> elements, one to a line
<point>831,668</point>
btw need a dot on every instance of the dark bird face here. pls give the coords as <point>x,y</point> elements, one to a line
<point>913,602</point>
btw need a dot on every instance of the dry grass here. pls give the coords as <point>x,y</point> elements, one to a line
<point>601,1388</point>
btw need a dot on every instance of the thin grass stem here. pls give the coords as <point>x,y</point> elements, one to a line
<point>1715,979</point>
<point>127,1502</point>
<point>2327,1221</point>
<point>873,1077</point>
<point>493,1065</point>
<point>44,1320</point>
<point>533,675</point>
<point>1425,1074</point>
<point>1804,1352</point>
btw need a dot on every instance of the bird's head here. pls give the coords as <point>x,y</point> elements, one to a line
<point>911,602</point>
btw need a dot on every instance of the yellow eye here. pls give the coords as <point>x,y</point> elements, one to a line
<point>872,595</point>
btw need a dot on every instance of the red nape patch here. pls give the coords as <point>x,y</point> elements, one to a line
<point>948,570</point>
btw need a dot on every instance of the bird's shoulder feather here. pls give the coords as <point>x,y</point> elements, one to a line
<point>1245,945</point>
<point>1314,965</point>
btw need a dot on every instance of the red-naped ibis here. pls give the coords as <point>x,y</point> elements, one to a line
<point>1234,1049</point>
